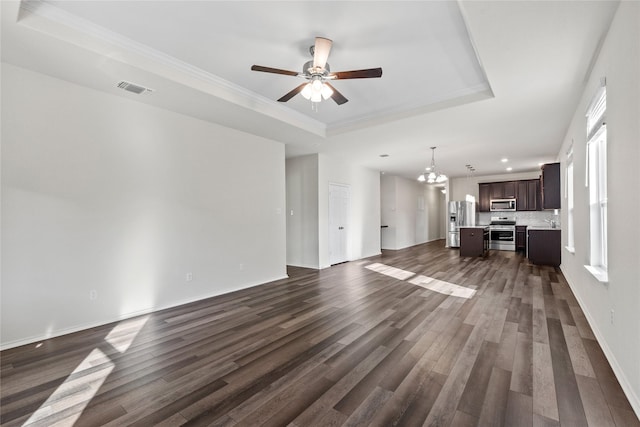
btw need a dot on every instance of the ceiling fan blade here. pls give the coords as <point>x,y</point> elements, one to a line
<point>358,74</point>
<point>337,96</point>
<point>273,70</point>
<point>293,93</point>
<point>321,52</point>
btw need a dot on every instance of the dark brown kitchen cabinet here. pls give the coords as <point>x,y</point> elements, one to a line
<point>543,247</point>
<point>509,191</point>
<point>550,182</point>
<point>484,196</point>
<point>503,190</point>
<point>521,200</point>
<point>497,189</point>
<point>474,241</point>
<point>533,195</point>
<point>521,238</point>
<point>528,195</point>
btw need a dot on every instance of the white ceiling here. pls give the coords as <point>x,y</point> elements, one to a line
<point>479,80</point>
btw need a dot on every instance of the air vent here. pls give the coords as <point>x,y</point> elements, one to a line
<point>131,87</point>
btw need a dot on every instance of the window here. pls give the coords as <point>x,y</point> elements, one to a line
<point>597,183</point>
<point>569,197</point>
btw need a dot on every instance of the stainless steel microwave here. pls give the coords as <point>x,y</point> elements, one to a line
<point>502,205</point>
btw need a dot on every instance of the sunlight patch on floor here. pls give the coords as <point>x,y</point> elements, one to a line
<point>430,283</point>
<point>76,389</point>
<point>443,287</point>
<point>125,332</point>
<point>387,270</point>
<point>80,387</point>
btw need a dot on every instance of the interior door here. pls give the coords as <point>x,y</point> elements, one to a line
<point>339,196</point>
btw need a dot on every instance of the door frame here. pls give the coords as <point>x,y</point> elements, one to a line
<point>329,219</point>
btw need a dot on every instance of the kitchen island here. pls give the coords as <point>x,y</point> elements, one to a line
<point>474,240</point>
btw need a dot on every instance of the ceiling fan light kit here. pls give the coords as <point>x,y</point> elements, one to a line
<point>317,72</point>
<point>432,177</point>
<point>316,90</point>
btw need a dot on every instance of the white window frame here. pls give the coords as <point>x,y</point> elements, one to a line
<point>597,183</point>
<point>569,196</point>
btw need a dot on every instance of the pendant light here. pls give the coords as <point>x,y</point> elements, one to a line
<point>432,176</point>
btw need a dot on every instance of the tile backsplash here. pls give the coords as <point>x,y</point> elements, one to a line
<point>531,218</point>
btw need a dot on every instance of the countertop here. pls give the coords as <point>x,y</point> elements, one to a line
<point>542,227</point>
<point>529,226</point>
<point>474,226</point>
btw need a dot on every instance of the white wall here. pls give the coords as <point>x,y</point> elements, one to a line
<point>619,62</point>
<point>388,211</point>
<point>302,211</point>
<point>107,194</point>
<point>407,194</point>
<point>436,216</point>
<point>308,179</point>
<point>410,222</point>
<point>364,211</point>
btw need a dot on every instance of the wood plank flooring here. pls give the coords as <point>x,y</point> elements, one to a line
<point>348,345</point>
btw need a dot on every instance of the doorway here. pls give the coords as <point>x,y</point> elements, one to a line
<point>339,200</point>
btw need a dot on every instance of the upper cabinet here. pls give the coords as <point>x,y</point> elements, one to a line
<point>550,182</point>
<point>484,196</point>
<point>509,191</point>
<point>503,190</point>
<point>528,195</point>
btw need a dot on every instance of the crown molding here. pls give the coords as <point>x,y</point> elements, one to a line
<point>44,17</point>
<point>464,96</point>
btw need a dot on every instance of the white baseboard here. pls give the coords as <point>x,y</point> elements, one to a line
<point>412,245</point>
<point>81,327</point>
<point>634,400</point>
<point>371,255</point>
<point>313,267</point>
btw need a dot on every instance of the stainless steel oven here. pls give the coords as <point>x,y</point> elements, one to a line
<point>502,237</point>
<point>502,233</point>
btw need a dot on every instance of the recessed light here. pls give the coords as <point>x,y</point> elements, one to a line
<point>509,169</point>
<point>384,155</point>
<point>504,160</point>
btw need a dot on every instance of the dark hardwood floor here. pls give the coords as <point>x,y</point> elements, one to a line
<point>412,337</point>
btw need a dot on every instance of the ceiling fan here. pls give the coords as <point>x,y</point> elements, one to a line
<point>317,73</point>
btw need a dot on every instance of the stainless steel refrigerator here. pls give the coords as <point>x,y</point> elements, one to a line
<point>459,214</point>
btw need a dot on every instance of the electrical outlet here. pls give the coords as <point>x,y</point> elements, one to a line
<point>93,295</point>
<point>188,277</point>
<point>612,318</point>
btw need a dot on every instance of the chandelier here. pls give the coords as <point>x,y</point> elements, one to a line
<point>432,176</point>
